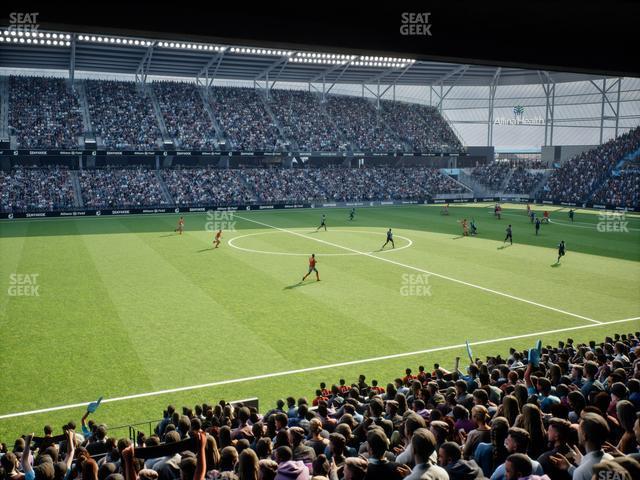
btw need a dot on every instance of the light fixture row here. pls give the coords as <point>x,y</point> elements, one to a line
<point>35,41</point>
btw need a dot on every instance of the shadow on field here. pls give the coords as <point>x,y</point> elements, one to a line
<point>504,246</point>
<point>299,284</point>
<point>556,265</point>
<point>205,250</point>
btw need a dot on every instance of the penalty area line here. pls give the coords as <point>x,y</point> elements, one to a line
<point>411,267</point>
<point>314,369</point>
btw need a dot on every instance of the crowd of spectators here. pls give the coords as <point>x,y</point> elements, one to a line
<point>523,180</point>
<point>44,112</point>
<point>135,187</point>
<point>564,412</point>
<point>184,115</point>
<point>206,186</point>
<point>361,125</point>
<point>492,175</point>
<point>420,126</point>
<point>244,119</point>
<point>121,188</point>
<point>304,122</point>
<point>36,189</point>
<point>282,185</point>
<point>622,190</point>
<point>578,177</point>
<point>122,116</point>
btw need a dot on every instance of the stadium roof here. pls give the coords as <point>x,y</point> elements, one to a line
<point>148,56</point>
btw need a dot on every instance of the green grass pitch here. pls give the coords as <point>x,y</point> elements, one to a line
<point>125,306</point>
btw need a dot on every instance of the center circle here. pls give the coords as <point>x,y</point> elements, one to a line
<point>265,252</point>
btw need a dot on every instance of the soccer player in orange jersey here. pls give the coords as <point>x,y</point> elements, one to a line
<point>312,267</point>
<point>465,228</point>
<point>180,228</point>
<point>216,242</point>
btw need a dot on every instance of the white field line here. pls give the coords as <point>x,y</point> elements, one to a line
<point>411,267</point>
<point>313,369</point>
<point>251,250</point>
<point>564,223</point>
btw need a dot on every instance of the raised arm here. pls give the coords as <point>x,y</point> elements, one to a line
<point>201,466</point>
<point>71,448</point>
<point>26,458</point>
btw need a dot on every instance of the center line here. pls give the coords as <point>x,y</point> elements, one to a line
<point>411,267</point>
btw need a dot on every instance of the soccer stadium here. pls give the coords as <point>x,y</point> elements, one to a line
<point>227,260</point>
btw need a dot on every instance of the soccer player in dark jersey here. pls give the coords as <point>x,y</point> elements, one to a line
<point>561,251</point>
<point>572,213</point>
<point>389,239</point>
<point>312,268</point>
<point>352,213</point>
<point>474,227</point>
<point>180,227</point>
<point>509,235</point>
<point>537,225</point>
<point>323,223</point>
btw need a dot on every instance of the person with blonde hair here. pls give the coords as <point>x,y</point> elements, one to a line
<point>482,432</point>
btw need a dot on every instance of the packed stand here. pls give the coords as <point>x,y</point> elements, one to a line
<point>361,125</point>
<point>282,185</point>
<point>523,181</point>
<point>36,189</point>
<point>121,116</point>
<point>622,190</point>
<point>44,113</point>
<point>568,412</point>
<point>121,188</point>
<point>206,186</point>
<point>421,126</point>
<point>381,183</point>
<point>185,116</point>
<point>579,176</point>
<point>246,123</point>
<point>491,175</point>
<point>304,121</point>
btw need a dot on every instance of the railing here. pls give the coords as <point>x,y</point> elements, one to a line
<point>147,427</point>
